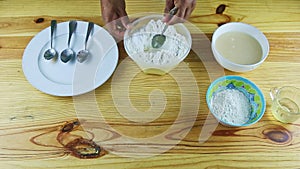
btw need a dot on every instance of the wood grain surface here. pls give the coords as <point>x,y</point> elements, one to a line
<point>39,131</point>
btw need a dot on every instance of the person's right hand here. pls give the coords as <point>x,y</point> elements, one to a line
<point>115,17</point>
<point>185,9</point>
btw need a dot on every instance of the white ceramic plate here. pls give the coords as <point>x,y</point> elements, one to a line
<point>72,78</point>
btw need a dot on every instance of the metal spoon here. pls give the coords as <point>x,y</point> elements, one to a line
<point>68,53</point>
<point>51,53</point>
<point>159,39</point>
<point>83,54</point>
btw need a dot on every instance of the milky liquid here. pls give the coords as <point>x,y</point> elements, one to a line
<point>239,48</point>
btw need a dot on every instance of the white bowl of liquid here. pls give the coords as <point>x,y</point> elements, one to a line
<point>239,47</point>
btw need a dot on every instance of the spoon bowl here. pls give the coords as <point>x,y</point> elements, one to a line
<point>51,53</point>
<point>68,54</point>
<point>158,40</point>
<point>83,54</point>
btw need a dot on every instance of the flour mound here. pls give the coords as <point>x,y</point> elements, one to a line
<point>174,48</point>
<point>231,106</point>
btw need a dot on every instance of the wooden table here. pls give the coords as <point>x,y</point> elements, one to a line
<point>35,127</point>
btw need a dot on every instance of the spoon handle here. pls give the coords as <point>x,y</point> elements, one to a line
<point>172,12</point>
<point>164,30</point>
<point>72,28</point>
<point>89,31</point>
<point>53,27</point>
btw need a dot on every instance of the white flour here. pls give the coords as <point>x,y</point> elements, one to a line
<point>231,106</point>
<point>139,44</point>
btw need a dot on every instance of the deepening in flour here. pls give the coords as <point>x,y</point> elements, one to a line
<point>139,43</point>
<point>231,106</point>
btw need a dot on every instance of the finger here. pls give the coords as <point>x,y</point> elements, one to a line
<point>175,19</point>
<point>110,18</point>
<point>106,18</point>
<point>190,10</point>
<point>125,21</point>
<point>167,17</point>
<point>112,29</point>
<point>171,14</point>
<point>119,27</point>
<point>188,13</point>
<point>118,30</point>
<point>123,18</point>
<point>169,5</point>
<point>178,18</point>
<point>110,26</point>
<point>118,35</point>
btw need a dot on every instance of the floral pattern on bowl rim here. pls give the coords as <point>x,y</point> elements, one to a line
<point>248,88</point>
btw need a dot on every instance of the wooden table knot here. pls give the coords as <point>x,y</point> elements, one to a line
<point>220,9</point>
<point>278,135</point>
<point>84,149</point>
<point>39,20</point>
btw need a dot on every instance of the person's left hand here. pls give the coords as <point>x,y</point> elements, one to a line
<point>115,17</point>
<point>185,9</point>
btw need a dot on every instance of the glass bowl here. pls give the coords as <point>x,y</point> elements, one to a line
<point>137,44</point>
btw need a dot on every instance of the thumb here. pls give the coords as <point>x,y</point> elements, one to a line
<point>169,5</point>
<point>125,21</point>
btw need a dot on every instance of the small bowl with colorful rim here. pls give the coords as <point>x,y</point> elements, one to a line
<point>235,101</point>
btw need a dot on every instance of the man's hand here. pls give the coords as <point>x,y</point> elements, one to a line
<point>115,17</point>
<point>185,9</point>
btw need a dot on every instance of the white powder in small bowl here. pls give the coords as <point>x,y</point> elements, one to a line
<point>139,44</point>
<point>231,106</point>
